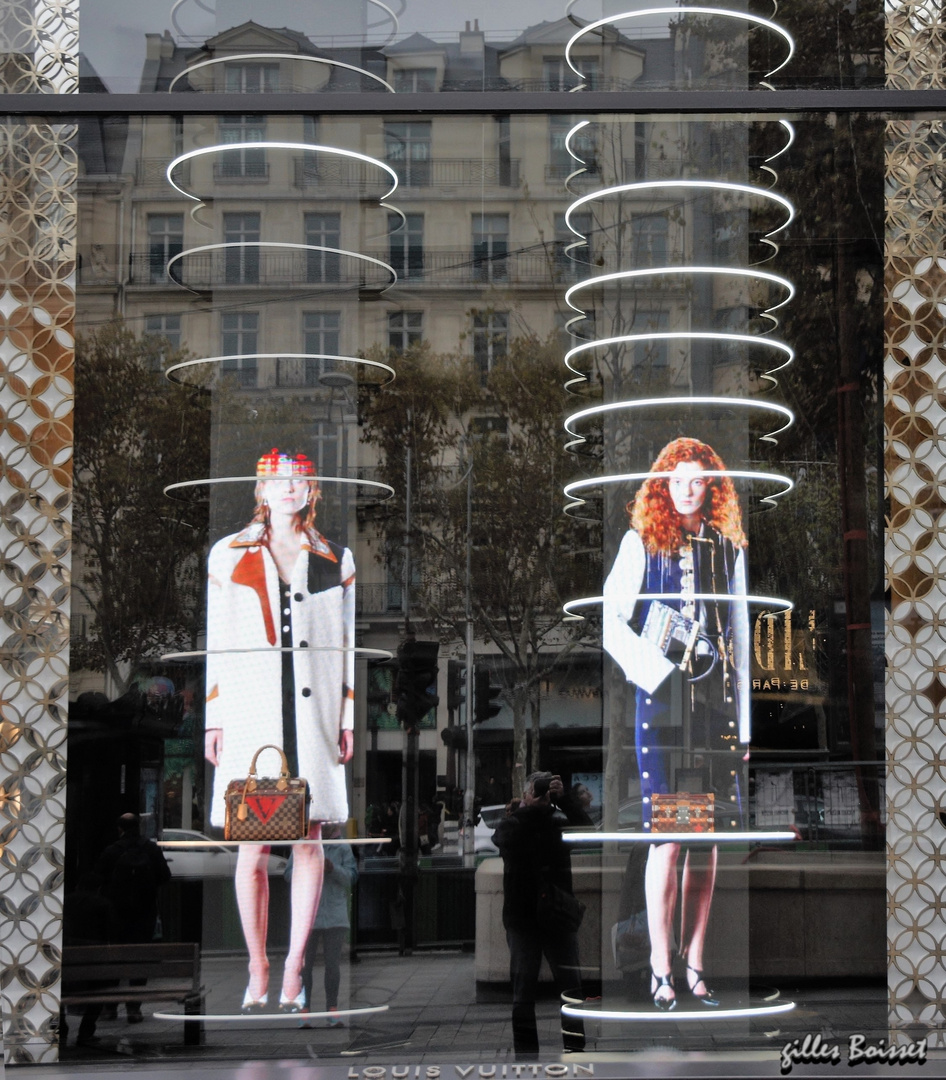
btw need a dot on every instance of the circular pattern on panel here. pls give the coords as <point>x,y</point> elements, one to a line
<point>37,309</point>
<point>915,470</point>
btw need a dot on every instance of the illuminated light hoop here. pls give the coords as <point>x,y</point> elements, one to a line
<point>627,837</point>
<point>666,271</point>
<point>179,4</point>
<point>341,480</point>
<point>374,654</point>
<point>629,478</point>
<point>305,148</point>
<point>243,244</point>
<point>743,16</point>
<point>265,1017</point>
<point>170,373</point>
<point>695,335</point>
<point>190,845</point>
<point>591,1013</point>
<point>721,402</point>
<point>712,185</point>
<point>281,56</point>
<point>779,605</point>
<point>568,140</point>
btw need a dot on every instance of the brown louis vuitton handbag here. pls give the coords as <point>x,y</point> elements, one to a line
<point>683,812</point>
<point>267,808</point>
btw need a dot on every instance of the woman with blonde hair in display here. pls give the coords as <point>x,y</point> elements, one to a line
<point>685,546</point>
<point>280,669</point>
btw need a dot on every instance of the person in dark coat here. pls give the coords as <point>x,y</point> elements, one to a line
<point>534,856</point>
<point>134,869</point>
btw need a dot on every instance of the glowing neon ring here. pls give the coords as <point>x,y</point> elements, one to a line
<point>676,1017</point>
<point>218,1018</point>
<point>169,372</point>
<point>243,244</point>
<point>392,15</point>
<point>774,602</point>
<point>305,148</point>
<point>627,837</point>
<point>665,271</point>
<point>376,654</point>
<point>712,185</point>
<point>568,139</point>
<point>192,845</point>
<point>672,335</point>
<point>677,12</point>
<point>341,480</point>
<point>637,477</point>
<point>722,402</point>
<point>279,56</point>
<point>179,4</point>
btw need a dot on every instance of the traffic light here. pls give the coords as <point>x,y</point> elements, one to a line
<point>454,737</point>
<point>416,681</point>
<point>456,684</point>
<point>485,707</point>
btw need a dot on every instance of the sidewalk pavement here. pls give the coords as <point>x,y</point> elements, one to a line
<point>433,1017</point>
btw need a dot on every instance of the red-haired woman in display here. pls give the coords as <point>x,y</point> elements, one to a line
<point>687,655</point>
<point>280,669</point>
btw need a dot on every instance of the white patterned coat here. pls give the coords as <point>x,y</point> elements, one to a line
<point>244,686</point>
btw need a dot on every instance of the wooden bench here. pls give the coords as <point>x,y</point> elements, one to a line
<point>172,971</point>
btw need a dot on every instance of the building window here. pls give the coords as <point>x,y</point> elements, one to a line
<point>407,149</point>
<point>415,80</point>
<point>239,333</point>
<point>323,230</point>
<point>406,245</point>
<point>650,232</point>
<point>582,143</point>
<point>167,327</point>
<point>651,358</point>
<point>252,78</point>
<point>165,240</point>
<point>320,333</point>
<point>557,75</point>
<point>490,246</point>
<point>241,264</point>
<point>405,328</point>
<point>242,162</point>
<point>490,339</point>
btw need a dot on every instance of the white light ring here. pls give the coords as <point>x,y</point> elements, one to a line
<point>179,4</point>
<point>392,16</point>
<point>569,248</point>
<point>666,271</point>
<point>711,185</point>
<point>721,402</point>
<point>779,605</point>
<point>304,148</point>
<point>258,244</point>
<point>341,480</point>
<point>279,56</point>
<point>787,484</point>
<point>609,20</point>
<point>193,654</point>
<point>169,372</point>
<point>569,385</point>
<point>569,323</point>
<point>197,845</point>
<point>671,335</point>
<point>677,1016</point>
<point>223,1018</point>
<point>568,140</point>
<point>628,837</point>
<point>788,127</point>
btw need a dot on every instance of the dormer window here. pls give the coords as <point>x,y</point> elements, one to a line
<point>415,80</point>
<point>252,78</point>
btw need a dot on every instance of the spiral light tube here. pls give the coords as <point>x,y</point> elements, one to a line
<point>637,414</point>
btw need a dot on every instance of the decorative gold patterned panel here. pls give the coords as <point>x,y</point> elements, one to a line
<point>39,46</point>
<point>916,45</point>
<point>37,308</point>
<point>915,421</point>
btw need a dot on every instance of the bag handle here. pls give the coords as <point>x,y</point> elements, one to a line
<point>249,786</point>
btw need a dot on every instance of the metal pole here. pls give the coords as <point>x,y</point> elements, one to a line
<point>470,762</point>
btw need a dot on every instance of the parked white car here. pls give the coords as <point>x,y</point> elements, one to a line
<point>205,862</point>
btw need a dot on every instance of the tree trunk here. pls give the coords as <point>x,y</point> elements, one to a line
<point>520,744</point>
<point>535,704</point>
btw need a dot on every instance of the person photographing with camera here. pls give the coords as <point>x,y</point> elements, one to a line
<point>540,913</point>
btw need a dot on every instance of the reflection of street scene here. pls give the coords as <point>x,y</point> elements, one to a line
<point>685,546</point>
<point>291,686</point>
